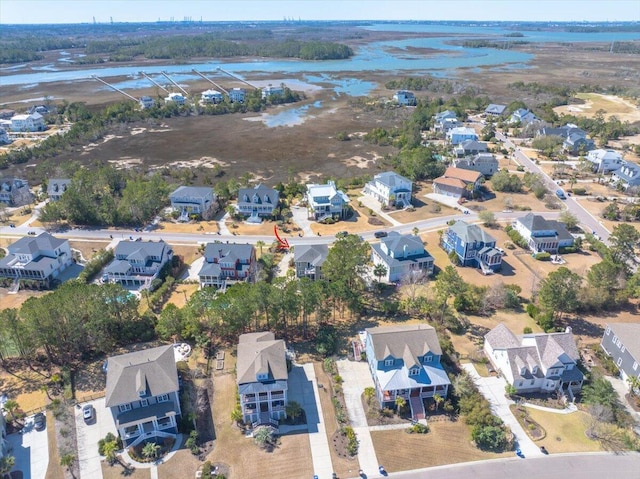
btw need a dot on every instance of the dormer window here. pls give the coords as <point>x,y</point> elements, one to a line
<point>535,369</point>
<point>414,371</point>
<point>388,362</point>
<point>262,376</point>
<point>523,371</point>
<point>428,359</point>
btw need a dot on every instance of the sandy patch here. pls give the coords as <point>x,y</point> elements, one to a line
<point>611,104</point>
<point>359,162</point>
<point>137,131</point>
<point>106,139</point>
<point>124,163</point>
<point>204,162</point>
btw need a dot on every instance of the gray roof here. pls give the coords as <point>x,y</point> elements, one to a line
<point>391,262</point>
<point>473,145</point>
<point>534,222</point>
<point>260,353</point>
<point>445,114</point>
<point>210,269</point>
<point>470,233</point>
<point>391,179</point>
<point>262,191</point>
<point>629,335</point>
<point>406,341</point>
<point>314,254</point>
<point>57,186</point>
<point>191,191</point>
<point>501,337</point>
<point>495,109</point>
<point>152,411</point>
<point>118,266</point>
<point>136,248</point>
<point>230,252</point>
<point>32,246</point>
<point>146,373</point>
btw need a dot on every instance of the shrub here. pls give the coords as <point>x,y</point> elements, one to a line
<point>352,440</point>
<point>532,310</point>
<point>543,256</point>
<point>527,330</point>
<point>492,438</point>
<point>579,191</point>
<point>418,428</point>
<point>568,249</point>
<point>93,267</point>
<point>192,443</point>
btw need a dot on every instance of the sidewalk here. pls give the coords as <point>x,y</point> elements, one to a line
<point>568,410</point>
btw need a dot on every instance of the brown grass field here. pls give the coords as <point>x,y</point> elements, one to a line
<point>180,295</point>
<point>191,227</point>
<point>415,451</point>
<point>565,432</point>
<point>180,464</point>
<point>611,105</point>
<point>116,472</point>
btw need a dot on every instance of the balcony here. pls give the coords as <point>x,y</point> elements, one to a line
<point>275,396</point>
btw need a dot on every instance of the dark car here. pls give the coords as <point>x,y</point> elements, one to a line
<point>342,234</point>
<point>39,421</point>
<point>380,234</point>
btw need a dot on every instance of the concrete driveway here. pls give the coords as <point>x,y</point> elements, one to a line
<point>31,450</point>
<point>88,436</point>
<point>493,389</point>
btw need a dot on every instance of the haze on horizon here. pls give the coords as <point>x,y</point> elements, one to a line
<point>103,11</point>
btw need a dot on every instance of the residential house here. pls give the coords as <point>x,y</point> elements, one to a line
<point>309,259</point>
<point>258,202</point>
<point>262,378</point>
<point>628,175</point>
<point>6,114</point>
<point>176,98</point>
<point>470,147</point>
<point>577,143</point>
<point>41,109</point>
<point>405,362</point>
<point>325,201</point>
<point>473,246</point>
<point>561,131</point>
<point>15,192</point>
<point>534,363</point>
<point>457,182</point>
<point>142,393</point>
<point>211,97</point>
<point>522,116</point>
<point>193,200</point>
<point>146,102</point>
<point>4,138</point>
<point>495,110</point>
<point>605,161</point>
<point>485,163</point>
<point>390,189</point>
<point>404,97</point>
<point>56,188</point>
<point>271,90</point>
<point>237,95</point>
<point>445,121</point>
<point>138,263</point>
<point>28,122</point>
<point>401,255</point>
<point>459,134</point>
<point>226,263</point>
<point>543,235</point>
<point>621,341</point>
<point>40,258</point>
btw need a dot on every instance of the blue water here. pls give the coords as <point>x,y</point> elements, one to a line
<point>291,116</point>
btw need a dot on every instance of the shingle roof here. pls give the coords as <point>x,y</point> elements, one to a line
<point>29,245</point>
<point>260,353</point>
<point>495,109</point>
<point>390,179</point>
<point>191,191</point>
<point>468,176</point>
<point>501,337</point>
<point>394,340</point>
<point>57,185</point>
<point>150,248</point>
<point>533,222</point>
<point>314,254</point>
<point>150,372</point>
<point>261,191</point>
<point>230,252</point>
<point>456,183</point>
<point>629,335</point>
<point>470,233</point>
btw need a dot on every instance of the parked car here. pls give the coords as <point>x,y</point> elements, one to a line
<point>39,421</point>
<point>88,413</point>
<point>105,278</point>
<point>380,234</point>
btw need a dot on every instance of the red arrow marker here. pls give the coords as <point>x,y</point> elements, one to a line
<point>284,243</point>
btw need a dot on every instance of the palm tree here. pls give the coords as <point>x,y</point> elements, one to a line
<point>415,231</point>
<point>6,464</point>
<point>263,436</point>
<point>438,400</point>
<point>236,415</point>
<point>400,403</point>
<point>379,271</point>
<point>151,450</point>
<point>294,410</point>
<point>68,460</point>
<point>110,448</point>
<point>369,394</point>
<point>12,407</point>
<point>260,244</point>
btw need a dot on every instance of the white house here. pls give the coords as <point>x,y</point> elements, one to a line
<point>56,188</point>
<point>29,122</point>
<point>485,163</point>
<point>535,362</point>
<point>390,189</point>
<point>193,200</point>
<point>211,97</point>
<point>271,90</point>
<point>605,161</point>
<point>257,202</point>
<point>404,97</point>
<point>138,263</point>
<point>15,191</point>
<point>542,234</point>
<point>459,134</point>
<point>146,102</point>
<point>237,95</point>
<point>628,175</point>
<point>326,201</point>
<point>176,98</point>
<point>401,255</point>
<point>522,116</point>
<point>495,110</point>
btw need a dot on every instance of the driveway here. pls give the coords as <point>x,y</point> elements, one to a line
<point>622,389</point>
<point>31,450</point>
<point>191,274</point>
<point>356,377</point>
<point>88,436</point>
<point>300,216</point>
<point>493,389</point>
<point>373,204</point>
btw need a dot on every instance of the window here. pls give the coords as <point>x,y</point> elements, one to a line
<point>623,349</point>
<point>428,359</point>
<point>124,407</point>
<point>607,331</point>
<point>619,361</point>
<point>635,366</point>
<point>163,398</point>
<point>144,402</point>
<point>388,362</point>
<point>414,371</point>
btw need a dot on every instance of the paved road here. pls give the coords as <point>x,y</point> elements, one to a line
<point>563,466</point>
<point>584,217</point>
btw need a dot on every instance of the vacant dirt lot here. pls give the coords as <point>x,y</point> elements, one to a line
<point>612,105</point>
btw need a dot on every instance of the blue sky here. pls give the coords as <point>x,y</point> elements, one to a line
<point>83,11</point>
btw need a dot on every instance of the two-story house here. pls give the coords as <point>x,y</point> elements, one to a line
<point>309,259</point>
<point>142,393</point>
<point>15,192</point>
<point>211,97</point>
<point>176,98</point>
<point>470,147</point>
<point>627,176</point>
<point>605,161</point>
<point>401,255</point>
<point>257,202</point>
<point>543,235</point>
<point>271,90</point>
<point>445,121</point>
<point>458,182</point>
<point>404,97</point>
<point>146,102</point>
<point>485,163</point>
<point>193,200</point>
<point>473,246</point>
<point>28,122</point>
<point>40,258</point>
<point>390,189</point>
<point>535,362</point>
<point>226,263</point>
<point>405,362</point>
<point>326,201</point>
<point>522,116</point>
<point>621,341</point>
<point>495,110</point>
<point>461,133</point>
<point>237,95</point>
<point>577,143</point>
<point>262,378</point>
<point>138,263</point>
<point>56,188</point>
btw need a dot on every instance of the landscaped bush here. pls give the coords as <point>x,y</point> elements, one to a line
<point>418,428</point>
<point>543,256</point>
<point>579,191</point>
<point>527,330</point>
<point>93,267</point>
<point>352,440</point>
<point>516,237</point>
<point>532,310</point>
<point>568,249</point>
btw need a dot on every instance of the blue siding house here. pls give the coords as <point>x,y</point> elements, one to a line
<point>474,247</point>
<point>405,362</point>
